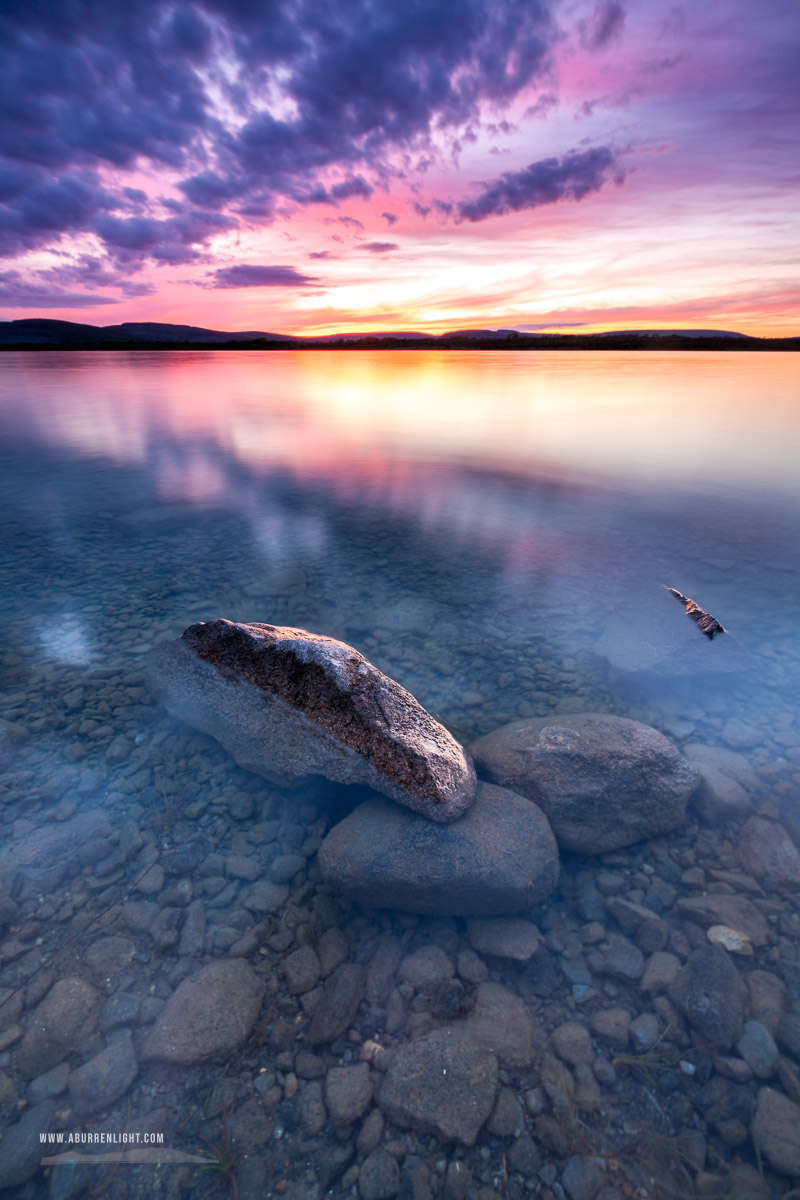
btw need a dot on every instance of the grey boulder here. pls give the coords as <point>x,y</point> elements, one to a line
<point>288,704</point>
<point>602,781</point>
<point>499,857</point>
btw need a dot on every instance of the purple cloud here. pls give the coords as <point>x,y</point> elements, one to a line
<point>15,292</point>
<point>603,25</point>
<point>86,86</point>
<point>379,247</point>
<point>544,182</point>
<point>390,218</point>
<point>250,275</point>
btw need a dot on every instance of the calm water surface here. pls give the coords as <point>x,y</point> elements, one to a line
<point>469,521</point>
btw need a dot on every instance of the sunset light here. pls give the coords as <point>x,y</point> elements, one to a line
<point>318,169</point>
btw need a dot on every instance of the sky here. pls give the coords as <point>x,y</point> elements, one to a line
<point>328,166</point>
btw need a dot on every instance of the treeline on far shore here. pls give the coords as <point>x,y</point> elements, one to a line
<point>519,341</point>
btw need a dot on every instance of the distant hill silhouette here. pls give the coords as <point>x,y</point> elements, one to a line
<point>39,333</point>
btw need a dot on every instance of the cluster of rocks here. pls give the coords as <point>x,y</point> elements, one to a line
<point>287,703</point>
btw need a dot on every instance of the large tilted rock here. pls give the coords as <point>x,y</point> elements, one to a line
<point>288,704</point>
<point>500,857</point>
<point>602,781</point>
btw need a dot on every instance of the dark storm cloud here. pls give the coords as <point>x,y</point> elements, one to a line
<point>544,182</point>
<point>603,25</point>
<point>253,103</point>
<point>245,275</point>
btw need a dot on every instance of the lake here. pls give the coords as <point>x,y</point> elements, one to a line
<point>482,526</point>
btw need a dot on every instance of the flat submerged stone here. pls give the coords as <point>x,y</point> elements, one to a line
<point>499,857</point>
<point>289,704</point>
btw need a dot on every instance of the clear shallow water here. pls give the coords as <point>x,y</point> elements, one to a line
<point>469,521</point>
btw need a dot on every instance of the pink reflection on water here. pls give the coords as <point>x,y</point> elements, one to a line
<point>358,419</point>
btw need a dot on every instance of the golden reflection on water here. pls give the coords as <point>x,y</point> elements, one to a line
<point>704,418</point>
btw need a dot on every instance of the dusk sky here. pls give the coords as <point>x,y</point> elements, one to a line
<point>321,166</point>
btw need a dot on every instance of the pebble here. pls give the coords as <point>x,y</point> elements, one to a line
<point>20,1149</point>
<point>208,1015</point>
<point>348,1093</point>
<point>67,1014</point>
<point>572,1042</point>
<point>443,1083</point>
<point>757,1047</point>
<point>339,1003</point>
<point>301,970</point>
<point>776,1127</point>
<point>426,968</point>
<point>504,937</point>
<point>103,1079</point>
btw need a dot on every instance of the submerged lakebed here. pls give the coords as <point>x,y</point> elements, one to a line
<point>474,525</point>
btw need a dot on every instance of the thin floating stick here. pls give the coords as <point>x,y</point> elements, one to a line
<point>704,621</point>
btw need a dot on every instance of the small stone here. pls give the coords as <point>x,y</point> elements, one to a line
<point>371,1132</point>
<point>192,940</point>
<point>265,897</point>
<point>379,1178</point>
<point>758,1049</point>
<point>301,970</point>
<point>152,881</point>
<point>68,1012</point>
<point>732,939</point>
<point>719,797</point>
<point>311,1107</point>
<point>21,1150</point>
<point>507,1119</point>
<point>767,851</point>
<point>776,1129</point>
<point>572,1042</point>
<point>471,968</point>
<point>426,968</point>
<point>348,1093</point>
<point>284,868</point>
<point>443,1083</point>
<point>739,735</point>
<point>243,866</point>
<point>104,1078</point>
<point>583,1177</point>
<point>120,1009</point>
<point>612,1026</point>
<point>624,961</point>
<point>504,937</point>
<point>767,998</point>
<point>708,990</point>
<point>646,1032</point>
<point>659,972</point>
<point>332,950</point>
<point>50,1085</point>
<point>500,1022</point>
<point>209,1015</point>
<point>340,1000</point>
<point>109,956</point>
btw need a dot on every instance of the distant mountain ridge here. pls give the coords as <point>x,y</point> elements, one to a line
<point>43,333</point>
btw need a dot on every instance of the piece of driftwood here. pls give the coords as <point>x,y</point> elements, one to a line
<point>704,621</point>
